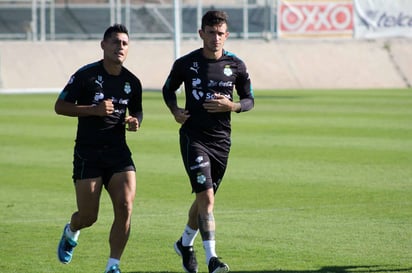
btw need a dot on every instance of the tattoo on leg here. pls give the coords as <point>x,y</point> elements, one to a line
<point>207,227</point>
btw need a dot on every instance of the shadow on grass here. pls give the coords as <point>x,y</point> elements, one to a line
<point>325,269</point>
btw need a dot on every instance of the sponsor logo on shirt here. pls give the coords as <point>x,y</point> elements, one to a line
<point>197,94</point>
<point>98,96</point>
<point>196,82</point>
<point>213,83</point>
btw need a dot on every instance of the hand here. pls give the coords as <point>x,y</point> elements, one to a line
<point>181,115</point>
<point>105,108</point>
<point>219,104</point>
<point>132,123</point>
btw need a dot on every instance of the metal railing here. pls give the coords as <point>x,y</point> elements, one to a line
<point>41,20</point>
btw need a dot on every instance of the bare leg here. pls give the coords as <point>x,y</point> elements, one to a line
<point>122,190</point>
<point>206,222</point>
<point>88,193</point>
<point>193,216</point>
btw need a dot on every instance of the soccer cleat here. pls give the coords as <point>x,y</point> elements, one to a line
<point>188,255</point>
<point>114,269</point>
<point>216,266</point>
<point>65,248</point>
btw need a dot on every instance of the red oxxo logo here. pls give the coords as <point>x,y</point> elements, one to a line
<point>322,17</point>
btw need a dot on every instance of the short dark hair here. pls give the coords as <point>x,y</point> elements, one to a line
<point>213,18</point>
<point>116,28</point>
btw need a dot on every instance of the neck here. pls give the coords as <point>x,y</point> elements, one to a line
<point>112,69</point>
<point>213,55</point>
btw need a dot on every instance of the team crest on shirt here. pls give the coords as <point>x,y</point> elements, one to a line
<point>127,88</point>
<point>227,71</point>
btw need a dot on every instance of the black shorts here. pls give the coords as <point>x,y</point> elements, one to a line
<point>101,162</point>
<point>205,163</point>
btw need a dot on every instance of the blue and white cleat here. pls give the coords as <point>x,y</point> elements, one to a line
<point>114,269</point>
<point>65,248</point>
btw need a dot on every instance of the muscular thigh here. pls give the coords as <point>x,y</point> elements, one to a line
<point>122,187</point>
<point>88,193</point>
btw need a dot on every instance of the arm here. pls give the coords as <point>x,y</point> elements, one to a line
<point>180,114</point>
<point>222,104</point>
<point>244,90</point>
<point>66,103</point>
<point>169,97</point>
<point>134,121</point>
<point>74,110</point>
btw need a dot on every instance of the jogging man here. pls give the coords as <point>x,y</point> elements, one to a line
<point>107,99</point>
<point>210,75</point>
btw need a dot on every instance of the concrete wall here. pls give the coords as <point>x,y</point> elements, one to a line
<point>272,65</point>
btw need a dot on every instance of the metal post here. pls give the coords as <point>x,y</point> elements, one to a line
<point>245,20</point>
<point>43,20</point>
<point>118,11</point>
<point>127,15</point>
<point>33,24</point>
<point>112,12</point>
<point>272,18</point>
<point>178,28</point>
<point>199,15</point>
<point>52,20</point>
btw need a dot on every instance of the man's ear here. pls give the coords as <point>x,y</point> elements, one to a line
<point>201,33</point>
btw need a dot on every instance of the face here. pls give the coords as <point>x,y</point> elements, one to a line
<point>115,48</point>
<point>214,38</point>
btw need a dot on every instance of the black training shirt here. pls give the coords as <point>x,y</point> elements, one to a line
<point>202,78</point>
<point>90,85</point>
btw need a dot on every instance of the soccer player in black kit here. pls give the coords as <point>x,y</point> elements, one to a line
<point>107,99</point>
<point>210,74</point>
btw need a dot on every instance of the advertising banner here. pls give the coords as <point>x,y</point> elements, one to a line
<point>315,19</point>
<point>383,18</point>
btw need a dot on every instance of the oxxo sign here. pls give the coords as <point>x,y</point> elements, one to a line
<point>317,18</point>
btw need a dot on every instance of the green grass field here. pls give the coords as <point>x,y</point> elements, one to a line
<point>318,181</point>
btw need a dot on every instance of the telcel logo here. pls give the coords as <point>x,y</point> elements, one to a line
<point>385,20</point>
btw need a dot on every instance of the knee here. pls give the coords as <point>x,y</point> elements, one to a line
<point>87,220</point>
<point>124,209</point>
<point>205,201</point>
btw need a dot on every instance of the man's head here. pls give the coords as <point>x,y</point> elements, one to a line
<point>115,44</point>
<point>214,33</point>
<point>214,18</point>
<point>116,28</point>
